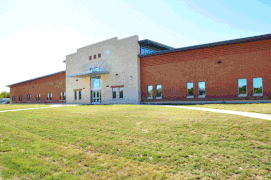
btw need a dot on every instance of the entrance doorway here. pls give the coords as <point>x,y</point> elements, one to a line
<point>95,96</point>
<point>95,93</point>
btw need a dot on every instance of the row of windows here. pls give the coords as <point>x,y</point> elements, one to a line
<point>94,56</point>
<point>242,89</point>
<point>158,91</point>
<point>145,50</point>
<point>257,87</point>
<point>38,96</point>
<point>79,93</point>
<point>114,93</point>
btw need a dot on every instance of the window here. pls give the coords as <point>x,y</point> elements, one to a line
<point>121,92</point>
<point>257,87</point>
<point>37,97</point>
<point>60,96</point>
<point>146,50</point>
<point>97,68</point>
<point>80,95</point>
<point>28,97</point>
<point>150,92</point>
<point>190,90</point>
<point>114,93</point>
<point>95,83</point>
<point>159,91</point>
<point>20,98</point>
<point>13,98</point>
<point>242,87</point>
<point>90,57</point>
<point>51,95</point>
<point>99,55</point>
<point>64,96</point>
<point>201,89</point>
<point>75,95</point>
<point>48,96</point>
<point>94,57</point>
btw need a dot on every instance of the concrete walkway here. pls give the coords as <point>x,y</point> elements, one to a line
<point>54,105</point>
<point>240,113</point>
<point>23,109</point>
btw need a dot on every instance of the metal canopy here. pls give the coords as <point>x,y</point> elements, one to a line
<point>88,74</point>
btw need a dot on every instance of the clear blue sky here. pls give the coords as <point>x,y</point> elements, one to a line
<point>35,36</point>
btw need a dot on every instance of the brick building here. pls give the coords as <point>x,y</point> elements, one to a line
<point>129,71</point>
<point>46,89</point>
<point>235,71</point>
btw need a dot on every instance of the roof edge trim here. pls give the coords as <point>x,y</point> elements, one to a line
<point>215,44</point>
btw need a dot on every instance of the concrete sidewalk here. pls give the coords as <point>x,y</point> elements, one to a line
<point>23,109</point>
<point>53,105</point>
<point>240,113</point>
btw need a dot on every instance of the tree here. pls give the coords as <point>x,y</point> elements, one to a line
<point>5,94</point>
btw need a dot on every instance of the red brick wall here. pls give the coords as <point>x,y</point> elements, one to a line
<point>53,84</point>
<point>174,70</point>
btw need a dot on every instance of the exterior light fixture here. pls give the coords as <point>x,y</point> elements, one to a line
<point>117,74</point>
<point>76,79</point>
<point>107,86</point>
<point>218,62</point>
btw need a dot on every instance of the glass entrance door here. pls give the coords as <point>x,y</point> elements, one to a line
<point>95,96</point>
<point>95,93</point>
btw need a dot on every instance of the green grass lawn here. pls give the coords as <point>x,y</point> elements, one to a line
<point>4,107</point>
<point>256,108</point>
<point>132,142</point>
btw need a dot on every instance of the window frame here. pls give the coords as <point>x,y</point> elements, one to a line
<point>64,96</point>
<point>160,97</point>
<point>190,96</point>
<point>79,95</point>
<point>148,94</point>
<point>90,57</point>
<point>242,95</point>
<point>75,95</point>
<point>113,93</point>
<point>257,94</point>
<point>121,90</point>
<point>201,96</point>
<point>99,55</point>
<point>60,97</point>
<point>28,97</point>
<point>48,96</point>
<point>37,98</point>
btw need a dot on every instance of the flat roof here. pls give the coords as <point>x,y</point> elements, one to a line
<point>37,78</point>
<point>215,44</point>
<point>151,43</point>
